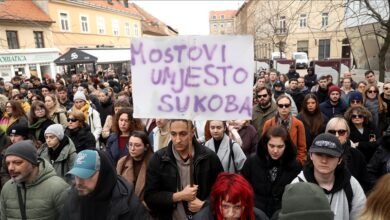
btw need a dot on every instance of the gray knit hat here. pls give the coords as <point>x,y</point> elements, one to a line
<point>57,130</point>
<point>79,95</point>
<point>23,149</point>
<point>305,201</point>
<point>327,144</point>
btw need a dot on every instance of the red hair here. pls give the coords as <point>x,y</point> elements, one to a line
<point>232,188</point>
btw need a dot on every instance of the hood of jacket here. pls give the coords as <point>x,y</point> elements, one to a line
<point>45,171</point>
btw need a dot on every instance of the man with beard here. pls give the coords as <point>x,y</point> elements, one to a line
<point>321,90</point>
<point>34,190</point>
<point>264,109</point>
<point>99,193</point>
<point>334,105</point>
<point>62,95</point>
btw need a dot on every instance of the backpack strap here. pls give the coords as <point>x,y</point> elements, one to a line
<point>22,204</point>
<point>231,156</point>
<point>349,193</point>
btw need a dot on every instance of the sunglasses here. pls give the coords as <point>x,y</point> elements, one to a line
<point>386,88</point>
<point>357,116</point>
<point>72,120</point>
<point>340,132</point>
<point>372,91</point>
<point>355,101</point>
<point>262,96</point>
<point>284,105</point>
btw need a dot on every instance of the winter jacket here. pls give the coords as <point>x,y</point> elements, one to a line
<point>249,139</point>
<point>298,98</point>
<point>59,117</point>
<point>6,125</point>
<point>297,135</point>
<point>332,110</point>
<point>310,80</point>
<point>94,123</point>
<point>322,94</point>
<point>310,137</point>
<point>67,104</point>
<point>82,138</point>
<point>379,164</point>
<point>44,196</point>
<point>365,146</point>
<point>162,178</point>
<point>268,193</point>
<point>154,139</point>
<point>259,116</point>
<point>39,133</point>
<point>4,143</point>
<point>105,109</point>
<point>337,196</point>
<point>292,74</point>
<point>64,161</point>
<point>207,214</point>
<point>113,150</point>
<point>224,154</point>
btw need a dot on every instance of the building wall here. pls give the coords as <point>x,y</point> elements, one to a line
<point>221,22</point>
<point>75,37</point>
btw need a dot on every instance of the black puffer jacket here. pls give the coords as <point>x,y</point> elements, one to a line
<point>207,214</point>
<point>268,194</point>
<point>379,164</point>
<point>82,138</point>
<point>112,199</point>
<point>162,178</point>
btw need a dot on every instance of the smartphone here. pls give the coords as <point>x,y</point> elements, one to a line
<point>372,136</point>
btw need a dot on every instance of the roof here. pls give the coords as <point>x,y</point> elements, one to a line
<point>226,13</point>
<point>151,24</point>
<point>114,5</point>
<point>92,55</point>
<point>24,10</point>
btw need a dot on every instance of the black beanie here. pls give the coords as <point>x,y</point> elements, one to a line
<point>305,201</point>
<point>25,150</point>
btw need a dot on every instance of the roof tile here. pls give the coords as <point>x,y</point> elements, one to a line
<point>22,10</point>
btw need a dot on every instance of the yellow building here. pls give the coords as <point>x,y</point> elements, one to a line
<point>221,22</point>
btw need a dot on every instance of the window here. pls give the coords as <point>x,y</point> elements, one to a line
<point>302,21</point>
<point>100,25</point>
<point>282,24</point>
<point>12,39</point>
<point>64,21</point>
<point>84,24</point>
<point>115,27</point>
<point>325,19</point>
<point>221,25</point>
<point>136,30</point>
<point>303,46</point>
<point>38,38</point>
<point>127,29</point>
<point>324,49</point>
<point>222,17</point>
<point>214,17</point>
<point>215,26</point>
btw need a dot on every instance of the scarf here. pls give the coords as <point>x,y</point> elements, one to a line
<point>286,123</point>
<point>84,109</point>
<point>37,127</point>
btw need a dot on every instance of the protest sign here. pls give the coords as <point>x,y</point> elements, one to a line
<point>193,77</point>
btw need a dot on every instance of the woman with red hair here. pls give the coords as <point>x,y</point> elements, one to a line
<point>231,198</point>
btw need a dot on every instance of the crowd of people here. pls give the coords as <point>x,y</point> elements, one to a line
<point>314,149</point>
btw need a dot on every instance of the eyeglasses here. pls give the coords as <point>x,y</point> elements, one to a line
<point>355,101</point>
<point>262,96</point>
<point>357,116</point>
<point>284,105</point>
<point>386,88</point>
<point>372,91</point>
<point>72,120</point>
<point>340,132</point>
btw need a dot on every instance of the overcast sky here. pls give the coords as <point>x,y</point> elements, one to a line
<point>188,17</point>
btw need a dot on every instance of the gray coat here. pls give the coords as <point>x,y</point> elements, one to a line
<point>224,154</point>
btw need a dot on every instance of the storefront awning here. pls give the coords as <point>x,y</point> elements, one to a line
<point>75,56</point>
<point>112,55</point>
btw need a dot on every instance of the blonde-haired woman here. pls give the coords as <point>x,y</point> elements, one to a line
<point>56,113</point>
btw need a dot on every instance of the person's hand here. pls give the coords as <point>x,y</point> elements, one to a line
<point>195,205</point>
<point>189,193</point>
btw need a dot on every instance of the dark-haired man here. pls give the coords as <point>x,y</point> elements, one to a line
<point>264,109</point>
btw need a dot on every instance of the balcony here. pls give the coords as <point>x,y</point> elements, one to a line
<point>280,31</point>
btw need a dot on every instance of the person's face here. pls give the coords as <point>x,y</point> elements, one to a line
<point>348,75</point>
<point>161,122</point>
<point>23,90</point>
<point>276,147</point>
<point>8,108</point>
<point>124,122</point>
<point>136,148</point>
<point>323,163</point>
<point>311,105</point>
<point>329,79</point>
<point>372,92</point>
<point>334,96</point>
<point>29,84</point>
<point>86,186</point>
<point>217,129</point>
<point>301,83</point>
<point>181,136</point>
<point>357,118</point>
<point>237,124</point>
<point>58,85</point>
<point>18,168</point>
<point>73,123</point>
<point>323,83</point>
<point>361,87</point>
<point>231,211</point>
<point>272,76</point>
<point>51,140</point>
<point>29,94</point>
<point>261,82</point>
<point>110,93</point>
<point>347,83</point>
<point>79,103</point>
<point>386,89</point>
<point>353,103</point>
<point>370,78</point>
<point>293,85</point>
<point>49,103</point>
<point>16,138</point>
<point>278,88</point>
<point>263,98</point>
<point>102,97</point>
<point>122,97</point>
<point>62,95</point>
<point>44,91</point>
<point>39,112</point>
<point>75,78</point>
<point>284,107</point>
<point>339,129</point>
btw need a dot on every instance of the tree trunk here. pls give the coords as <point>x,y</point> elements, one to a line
<point>382,57</point>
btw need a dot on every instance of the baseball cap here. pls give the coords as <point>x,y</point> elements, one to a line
<point>86,164</point>
<point>327,144</point>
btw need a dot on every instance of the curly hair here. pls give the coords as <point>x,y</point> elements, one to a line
<point>360,110</point>
<point>135,123</point>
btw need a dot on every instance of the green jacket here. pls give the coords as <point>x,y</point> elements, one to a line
<point>259,117</point>
<point>44,196</point>
<point>64,161</point>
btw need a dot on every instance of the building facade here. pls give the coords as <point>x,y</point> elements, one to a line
<point>222,22</point>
